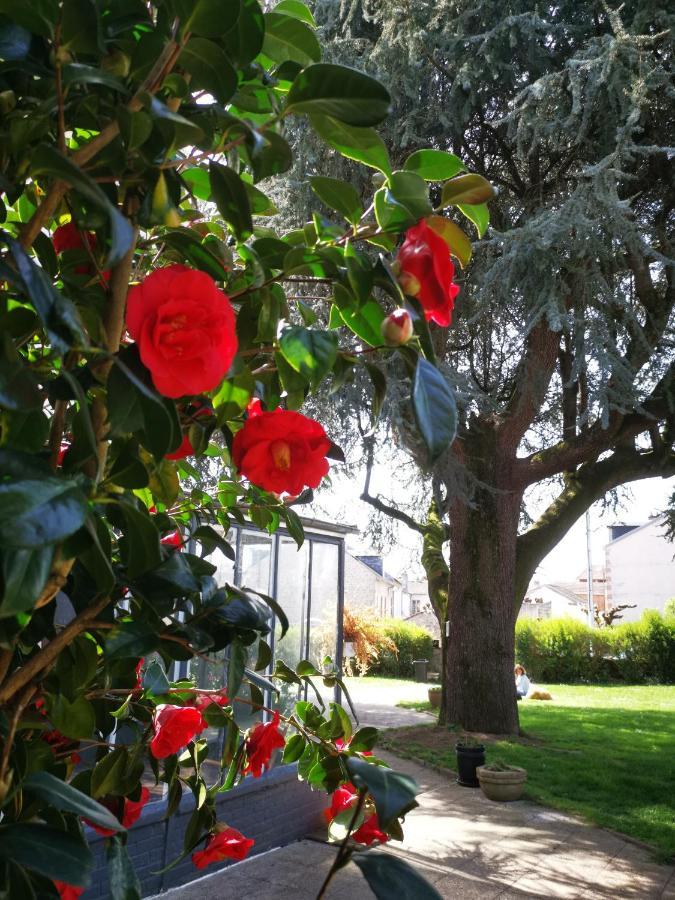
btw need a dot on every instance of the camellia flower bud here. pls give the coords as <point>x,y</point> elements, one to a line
<point>397,328</point>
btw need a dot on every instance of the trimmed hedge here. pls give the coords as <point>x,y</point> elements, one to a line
<point>412,642</point>
<point>566,650</point>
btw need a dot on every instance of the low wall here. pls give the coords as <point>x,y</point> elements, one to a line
<point>274,810</point>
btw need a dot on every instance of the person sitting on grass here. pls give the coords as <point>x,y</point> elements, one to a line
<point>522,682</point>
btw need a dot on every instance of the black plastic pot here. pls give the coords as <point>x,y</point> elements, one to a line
<point>468,760</point>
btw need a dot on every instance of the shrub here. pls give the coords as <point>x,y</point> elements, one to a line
<point>364,631</point>
<point>566,650</point>
<point>411,642</point>
<point>669,609</point>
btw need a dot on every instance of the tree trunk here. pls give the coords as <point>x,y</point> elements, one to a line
<point>482,608</point>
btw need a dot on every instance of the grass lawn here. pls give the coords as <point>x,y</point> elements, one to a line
<point>606,753</point>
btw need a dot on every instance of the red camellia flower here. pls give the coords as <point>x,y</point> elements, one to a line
<point>174,726</point>
<point>131,811</point>
<point>67,891</point>
<point>426,272</point>
<point>69,237</point>
<point>185,330</point>
<point>175,540</point>
<point>260,744</point>
<point>281,451</point>
<point>343,798</point>
<point>226,844</point>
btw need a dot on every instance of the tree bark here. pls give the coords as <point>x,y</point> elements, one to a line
<point>480,648</point>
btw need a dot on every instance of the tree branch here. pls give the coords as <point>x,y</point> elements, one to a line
<point>380,505</point>
<point>588,484</point>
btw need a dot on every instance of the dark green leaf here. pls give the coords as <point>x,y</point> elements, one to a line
<point>55,854</point>
<point>434,165</point>
<point>393,792</point>
<point>24,575</point>
<point>124,883</point>
<point>388,876</point>
<point>403,201</point>
<point>210,68</point>
<point>311,353</point>
<point>34,513</point>
<point>271,156</point>
<point>296,9</point>
<point>48,161</point>
<point>434,407</point>
<point>231,199</point>
<point>211,18</point>
<point>18,386</point>
<point>155,680</point>
<point>140,548</point>
<point>77,73</point>
<point>364,739</point>
<point>244,42</point>
<point>236,662</point>
<point>57,313</point>
<point>338,195</point>
<point>80,26</point>
<point>344,94</point>
<point>362,144</point>
<point>75,720</point>
<point>64,796</point>
<point>264,656</point>
<point>108,774</point>
<point>286,37</point>
<point>277,610</point>
<point>210,539</point>
<point>131,640</point>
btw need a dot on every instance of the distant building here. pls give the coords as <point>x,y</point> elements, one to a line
<point>367,586</point>
<point>640,567</point>
<point>552,601</point>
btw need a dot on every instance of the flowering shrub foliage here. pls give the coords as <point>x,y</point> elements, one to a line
<point>148,318</point>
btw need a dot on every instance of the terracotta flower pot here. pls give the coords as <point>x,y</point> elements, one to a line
<point>502,786</point>
<point>434,694</point>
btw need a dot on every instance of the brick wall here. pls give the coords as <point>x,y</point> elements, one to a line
<point>274,810</point>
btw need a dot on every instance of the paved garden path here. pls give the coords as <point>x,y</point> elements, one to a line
<point>375,701</point>
<point>469,848</point>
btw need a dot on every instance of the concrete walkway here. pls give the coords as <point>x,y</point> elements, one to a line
<point>375,702</point>
<point>469,848</point>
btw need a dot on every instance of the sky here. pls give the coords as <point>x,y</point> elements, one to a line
<point>341,503</point>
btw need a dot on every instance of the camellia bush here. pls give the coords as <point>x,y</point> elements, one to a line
<point>152,324</point>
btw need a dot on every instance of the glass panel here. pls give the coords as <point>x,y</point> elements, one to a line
<point>324,606</point>
<point>224,566</point>
<point>292,595</point>
<point>255,564</point>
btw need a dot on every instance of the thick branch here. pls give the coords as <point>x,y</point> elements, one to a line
<point>438,574</point>
<point>532,380</point>
<point>590,483</point>
<point>47,655</point>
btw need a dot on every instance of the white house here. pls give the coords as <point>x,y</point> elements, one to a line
<point>552,601</point>
<point>640,567</point>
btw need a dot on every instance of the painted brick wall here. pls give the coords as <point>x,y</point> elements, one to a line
<point>274,810</point>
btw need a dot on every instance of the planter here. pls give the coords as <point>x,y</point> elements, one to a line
<point>502,786</point>
<point>468,760</point>
<point>434,694</point>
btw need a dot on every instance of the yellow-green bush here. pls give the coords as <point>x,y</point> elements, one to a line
<point>411,641</point>
<point>566,650</point>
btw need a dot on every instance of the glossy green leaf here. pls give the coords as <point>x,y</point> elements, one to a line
<point>64,796</point>
<point>48,161</point>
<point>362,144</point>
<point>34,513</point>
<point>155,680</point>
<point>244,42</point>
<point>272,156</point>
<point>344,94</point>
<point>297,9</point>
<point>236,662</point>
<point>434,407</point>
<point>124,883</point>
<point>56,854</point>
<point>477,213</point>
<point>140,546</point>
<point>338,195</point>
<point>393,793</point>
<point>365,322</point>
<point>24,575</point>
<point>434,165</point>
<point>389,876</point>
<point>471,189</point>
<point>211,18</point>
<point>364,739</point>
<point>295,747</point>
<point>404,200</point>
<point>81,27</point>
<point>210,68</point>
<point>107,776</point>
<point>231,198</point>
<point>286,37</point>
<point>311,353</point>
<point>130,640</point>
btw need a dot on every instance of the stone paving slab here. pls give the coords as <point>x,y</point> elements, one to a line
<point>467,847</point>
